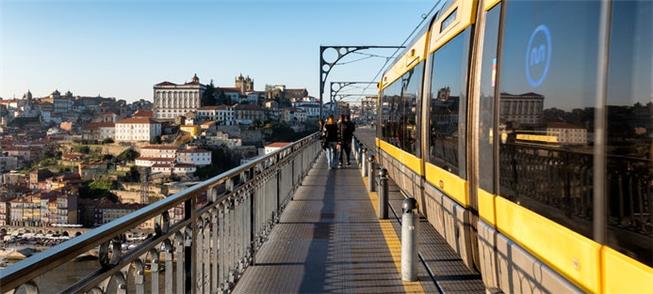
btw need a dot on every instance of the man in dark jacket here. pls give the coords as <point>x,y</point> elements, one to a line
<point>346,127</point>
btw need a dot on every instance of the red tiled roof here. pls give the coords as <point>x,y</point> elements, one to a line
<point>101,124</point>
<point>194,150</point>
<point>143,113</point>
<point>230,89</point>
<point>214,107</point>
<point>136,120</point>
<point>156,158</point>
<point>278,144</point>
<point>160,147</point>
<point>166,83</point>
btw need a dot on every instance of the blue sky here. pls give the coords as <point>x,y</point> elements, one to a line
<point>122,48</point>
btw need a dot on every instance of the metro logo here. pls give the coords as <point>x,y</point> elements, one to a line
<point>538,56</point>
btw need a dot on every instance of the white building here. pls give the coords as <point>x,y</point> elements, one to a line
<point>172,100</point>
<point>177,169</point>
<point>312,109</point>
<point>101,130</point>
<point>194,156</point>
<point>137,129</point>
<point>274,147</point>
<point>567,133</point>
<point>224,114</point>
<point>159,151</point>
<point>151,161</point>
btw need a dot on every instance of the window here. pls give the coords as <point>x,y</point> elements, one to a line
<point>630,130</point>
<point>449,104</point>
<point>547,85</point>
<point>399,108</point>
<point>411,97</point>
<point>486,129</point>
<point>391,114</point>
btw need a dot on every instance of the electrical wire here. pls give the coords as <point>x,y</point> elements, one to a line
<point>419,25</point>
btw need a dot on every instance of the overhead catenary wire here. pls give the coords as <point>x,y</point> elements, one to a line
<point>408,38</point>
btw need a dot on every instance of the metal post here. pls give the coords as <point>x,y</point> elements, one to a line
<point>409,240</point>
<point>382,191</point>
<point>370,175</point>
<point>363,163</point>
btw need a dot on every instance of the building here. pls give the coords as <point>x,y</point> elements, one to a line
<point>194,156</point>
<point>294,115</point>
<point>368,108</point>
<point>312,109</point>
<point>249,112</point>
<point>5,212</point>
<point>99,131</point>
<point>159,151</point>
<point>181,169</point>
<point>244,84</point>
<point>193,130</point>
<point>108,211</point>
<point>522,110</point>
<point>274,147</point>
<point>8,163</point>
<point>567,133</point>
<point>137,129</point>
<point>172,100</point>
<point>151,161</point>
<point>223,114</point>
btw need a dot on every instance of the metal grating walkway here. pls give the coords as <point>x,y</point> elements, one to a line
<point>330,241</point>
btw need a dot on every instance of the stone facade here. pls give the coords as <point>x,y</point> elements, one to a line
<point>172,100</point>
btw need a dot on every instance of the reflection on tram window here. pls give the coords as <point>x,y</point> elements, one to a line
<point>486,129</point>
<point>546,109</point>
<point>411,93</point>
<point>630,130</point>
<point>391,109</point>
<point>449,104</point>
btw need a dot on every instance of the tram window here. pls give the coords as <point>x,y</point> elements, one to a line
<point>391,109</point>
<point>449,104</point>
<point>547,102</point>
<point>411,93</point>
<point>486,128</point>
<point>630,130</point>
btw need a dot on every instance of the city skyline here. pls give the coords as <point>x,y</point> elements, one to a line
<point>122,50</point>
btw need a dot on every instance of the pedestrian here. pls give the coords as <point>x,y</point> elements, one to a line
<point>331,139</point>
<point>322,134</point>
<point>346,128</point>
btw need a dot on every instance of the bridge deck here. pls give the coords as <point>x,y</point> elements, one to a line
<point>329,240</point>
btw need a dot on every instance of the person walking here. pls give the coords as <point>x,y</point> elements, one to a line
<point>346,136</point>
<point>331,139</point>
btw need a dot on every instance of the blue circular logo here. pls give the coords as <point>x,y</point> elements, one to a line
<point>538,56</point>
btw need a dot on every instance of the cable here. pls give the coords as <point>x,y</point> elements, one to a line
<point>424,18</point>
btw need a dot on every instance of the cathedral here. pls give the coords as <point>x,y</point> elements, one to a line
<point>245,84</point>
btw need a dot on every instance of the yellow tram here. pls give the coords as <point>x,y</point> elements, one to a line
<point>524,129</point>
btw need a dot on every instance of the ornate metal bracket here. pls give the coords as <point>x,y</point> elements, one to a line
<point>341,51</point>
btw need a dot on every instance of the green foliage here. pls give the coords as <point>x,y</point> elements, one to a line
<point>222,160</point>
<point>128,155</point>
<point>208,97</point>
<point>97,189</point>
<point>82,149</point>
<point>282,132</point>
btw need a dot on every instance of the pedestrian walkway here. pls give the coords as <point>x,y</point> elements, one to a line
<point>329,240</point>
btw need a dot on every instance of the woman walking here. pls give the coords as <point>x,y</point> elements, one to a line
<point>331,139</point>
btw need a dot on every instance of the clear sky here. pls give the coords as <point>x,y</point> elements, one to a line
<point>122,48</point>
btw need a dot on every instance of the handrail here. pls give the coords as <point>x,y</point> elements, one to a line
<point>25,271</point>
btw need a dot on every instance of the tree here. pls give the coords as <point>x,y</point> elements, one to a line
<point>128,155</point>
<point>107,141</point>
<point>208,97</point>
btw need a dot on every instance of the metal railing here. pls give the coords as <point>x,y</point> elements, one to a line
<point>223,222</point>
